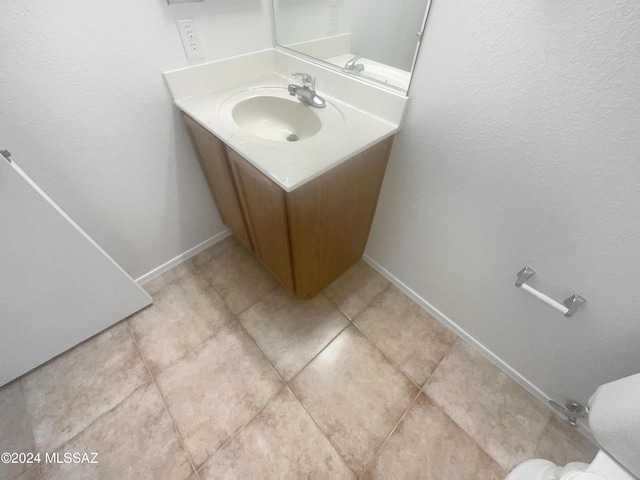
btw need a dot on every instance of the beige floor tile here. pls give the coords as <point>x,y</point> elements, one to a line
<point>356,289</point>
<point>215,250</point>
<point>32,473</point>
<point>67,394</point>
<point>292,331</point>
<point>499,414</point>
<point>355,395</point>
<point>428,444</point>
<point>184,314</point>
<point>214,391</point>
<point>173,275</point>
<point>406,333</point>
<point>280,442</point>
<point>561,443</point>
<point>135,440</point>
<point>16,434</point>
<point>238,277</point>
<point>191,265</point>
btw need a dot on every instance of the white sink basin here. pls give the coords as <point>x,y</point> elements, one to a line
<point>270,114</point>
<point>276,118</point>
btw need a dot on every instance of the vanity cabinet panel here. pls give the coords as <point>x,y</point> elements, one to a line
<point>264,204</point>
<point>306,238</point>
<point>211,153</point>
<point>330,218</point>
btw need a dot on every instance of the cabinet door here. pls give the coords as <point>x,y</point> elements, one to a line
<point>330,218</point>
<point>264,204</point>
<point>211,154</point>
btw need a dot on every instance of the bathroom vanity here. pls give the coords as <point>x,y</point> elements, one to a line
<point>297,185</point>
<point>307,237</point>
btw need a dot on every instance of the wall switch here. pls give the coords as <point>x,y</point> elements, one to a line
<point>333,17</point>
<point>190,38</point>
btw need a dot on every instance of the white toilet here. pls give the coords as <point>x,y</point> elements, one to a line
<point>614,419</point>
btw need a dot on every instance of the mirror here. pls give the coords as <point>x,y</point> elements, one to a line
<point>377,41</point>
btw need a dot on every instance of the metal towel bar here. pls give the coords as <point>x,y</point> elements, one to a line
<point>567,308</point>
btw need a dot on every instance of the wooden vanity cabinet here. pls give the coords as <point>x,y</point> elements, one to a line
<point>265,208</point>
<point>211,153</point>
<point>306,238</point>
<point>330,218</point>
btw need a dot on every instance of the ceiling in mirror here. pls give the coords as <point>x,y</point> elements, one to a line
<point>377,40</point>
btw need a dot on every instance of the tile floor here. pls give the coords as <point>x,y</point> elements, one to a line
<point>227,376</point>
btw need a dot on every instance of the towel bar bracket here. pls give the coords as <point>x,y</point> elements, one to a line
<point>571,304</point>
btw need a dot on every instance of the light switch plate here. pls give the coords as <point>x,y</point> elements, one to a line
<point>190,38</point>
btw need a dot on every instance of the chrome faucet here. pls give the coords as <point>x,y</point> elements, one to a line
<point>307,92</point>
<point>351,65</point>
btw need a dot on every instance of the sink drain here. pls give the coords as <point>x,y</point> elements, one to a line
<point>292,138</point>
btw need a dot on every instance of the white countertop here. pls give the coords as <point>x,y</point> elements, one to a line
<point>291,164</point>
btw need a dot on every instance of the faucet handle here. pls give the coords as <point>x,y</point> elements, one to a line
<point>352,63</point>
<point>307,80</point>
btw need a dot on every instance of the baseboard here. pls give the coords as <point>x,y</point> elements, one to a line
<point>447,322</point>
<point>183,257</point>
<point>485,352</point>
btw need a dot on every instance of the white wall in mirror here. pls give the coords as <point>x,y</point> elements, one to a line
<point>384,32</point>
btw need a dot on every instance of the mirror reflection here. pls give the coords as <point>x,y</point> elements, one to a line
<point>376,40</point>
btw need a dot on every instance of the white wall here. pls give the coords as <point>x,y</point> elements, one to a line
<point>87,115</point>
<point>522,147</point>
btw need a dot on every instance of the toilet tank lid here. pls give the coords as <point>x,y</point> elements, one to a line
<point>614,418</point>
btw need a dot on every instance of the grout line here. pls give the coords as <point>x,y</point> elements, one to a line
<point>427,382</point>
<point>267,403</point>
<point>470,434</point>
<point>321,431</point>
<point>264,356</point>
<point>286,384</point>
<point>366,307</point>
<point>234,318</point>
<point>393,363</point>
<point>200,269</point>
<point>544,430</point>
<point>442,410</point>
<point>350,322</point>
<point>335,305</point>
<point>288,387</point>
<point>320,351</point>
<point>467,338</point>
<point>164,401</point>
<point>195,348</point>
<point>384,442</point>
<point>99,417</point>
<point>241,427</point>
<point>258,300</point>
<point>106,412</point>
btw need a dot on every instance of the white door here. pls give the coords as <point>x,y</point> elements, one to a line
<point>57,286</point>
